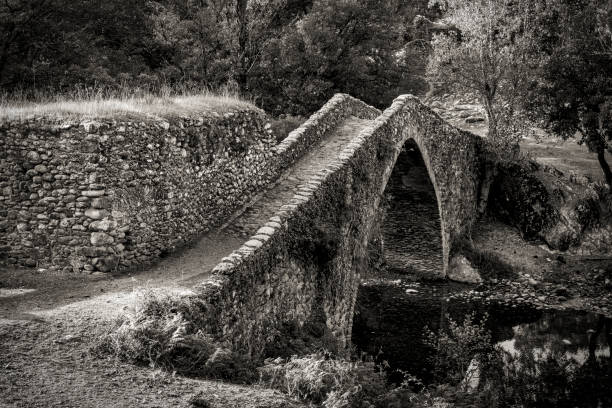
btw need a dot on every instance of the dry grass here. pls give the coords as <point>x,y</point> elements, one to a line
<point>328,382</point>
<point>101,104</point>
<point>163,331</point>
<point>158,333</point>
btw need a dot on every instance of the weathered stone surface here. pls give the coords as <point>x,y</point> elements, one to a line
<point>101,238</point>
<point>95,213</point>
<point>253,243</point>
<point>460,270</point>
<point>306,272</point>
<point>33,157</point>
<point>41,168</point>
<point>266,230</point>
<point>93,193</point>
<point>159,180</point>
<point>105,225</point>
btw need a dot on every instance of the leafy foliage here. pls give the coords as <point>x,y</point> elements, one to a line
<point>483,51</point>
<point>572,90</point>
<point>289,56</point>
<point>457,346</point>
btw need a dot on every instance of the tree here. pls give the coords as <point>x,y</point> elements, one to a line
<point>17,17</point>
<point>54,44</point>
<point>573,91</point>
<point>338,46</point>
<point>485,54</point>
<point>214,42</point>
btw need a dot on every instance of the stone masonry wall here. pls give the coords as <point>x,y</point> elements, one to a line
<point>105,194</point>
<point>303,266</point>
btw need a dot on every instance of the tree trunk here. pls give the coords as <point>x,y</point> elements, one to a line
<point>243,36</point>
<point>601,156</point>
<point>491,119</point>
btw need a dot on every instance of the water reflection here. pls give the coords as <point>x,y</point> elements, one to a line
<point>390,320</point>
<point>579,337</point>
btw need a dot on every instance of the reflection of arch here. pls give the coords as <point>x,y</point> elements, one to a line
<point>407,138</point>
<point>411,226</point>
<point>604,324</point>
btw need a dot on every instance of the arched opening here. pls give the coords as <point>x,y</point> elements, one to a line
<point>411,229</point>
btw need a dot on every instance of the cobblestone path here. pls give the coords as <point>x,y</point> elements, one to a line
<point>314,161</point>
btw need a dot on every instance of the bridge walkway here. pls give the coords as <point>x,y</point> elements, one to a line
<point>269,202</point>
<point>247,221</point>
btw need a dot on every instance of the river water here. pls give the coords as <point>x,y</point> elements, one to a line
<point>391,316</point>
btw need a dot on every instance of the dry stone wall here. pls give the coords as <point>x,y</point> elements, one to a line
<point>97,195</point>
<point>105,194</point>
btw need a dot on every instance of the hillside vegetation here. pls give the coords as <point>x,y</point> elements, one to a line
<point>290,56</point>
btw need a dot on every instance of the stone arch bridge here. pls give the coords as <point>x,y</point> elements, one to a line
<point>303,265</point>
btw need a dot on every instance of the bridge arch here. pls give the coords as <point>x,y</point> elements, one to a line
<point>453,159</point>
<point>398,139</point>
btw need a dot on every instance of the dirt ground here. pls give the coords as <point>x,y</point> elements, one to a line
<point>541,277</point>
<point>48,324</point>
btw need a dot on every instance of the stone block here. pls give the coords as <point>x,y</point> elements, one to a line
<point>41,168</point>
<point>95,213</point>
<point>101,238</point>
<point>33,157</point>
<point>266,230</point>
<point>93,193</point>
<point>103,225</point>
<point>253,243</point>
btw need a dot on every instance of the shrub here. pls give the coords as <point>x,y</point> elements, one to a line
<point>321,379</point>
<point>162,331</point>
<point>457,346</point>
